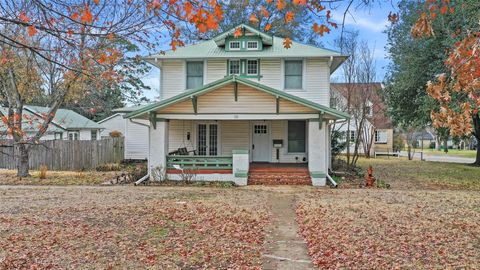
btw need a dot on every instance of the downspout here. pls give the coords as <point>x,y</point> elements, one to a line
<point>139,181</point>
<point>334,184</point>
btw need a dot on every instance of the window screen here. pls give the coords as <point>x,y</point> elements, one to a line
<point>296,136</point>
<point>293,74</point>
<point>194,75</point>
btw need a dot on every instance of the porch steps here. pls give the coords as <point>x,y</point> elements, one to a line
<point>279,176</point>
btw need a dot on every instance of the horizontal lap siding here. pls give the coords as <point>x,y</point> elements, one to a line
<point>279,132</point>
<point>136,141</point>
<point>235,136</point>
<point>177,134</point>
<point>291,107</point>
<point>317,81</point>
<point>115,123</point>
<point>271,71</point>
<point>216,70</point>
<point>181,107</point>
<point>249,100</point>
<point>172,79</point>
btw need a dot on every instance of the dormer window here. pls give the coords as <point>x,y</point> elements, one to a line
<point>234,45</point>
<point>234,67</point>
<point>252,45</point>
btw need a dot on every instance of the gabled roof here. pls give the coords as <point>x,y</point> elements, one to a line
<point>66,119</point>
<point>231,79</point>
<point>211,49</point>
<point>380,118</point>
<point>266,38</point>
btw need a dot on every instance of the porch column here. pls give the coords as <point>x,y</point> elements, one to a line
<point>317,152</point>
<point>158,145</point>
<point>241,165</point>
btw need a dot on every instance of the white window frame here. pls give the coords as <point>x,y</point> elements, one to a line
<point>96,135</point>
<point>239,66</point>
<point>75,134</point>
<point>376,137</point>
<point>246,63</point>
<point>58,135</point>
<point>186,71</point>
<point>219,132</point>
<point>350,139</point>
<point>306,139</point>
<point>304,69</point>
<point>252,49</point>
<point>234,49</point>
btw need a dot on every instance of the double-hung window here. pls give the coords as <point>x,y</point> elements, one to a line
<point>252,67</point>
<point>234,67</point>
<point>351,136</point>
<point>252,45</point>
<point>293,74</point>
<point>74,135</point>
<point>194,74</point>
<point>296,136</point>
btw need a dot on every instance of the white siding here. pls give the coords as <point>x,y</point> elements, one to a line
<point>178,130</point>
<point>235,135</point>
<point>85,134</point>
<point>173,79</point>
<point>136,141</point>
<point>316,77</point>
<point>216,70</point>
<point>116,123</point>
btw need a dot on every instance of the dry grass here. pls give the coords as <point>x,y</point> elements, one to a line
<point>130,228</point>
<point>380,229</point>
<point>414,174</point>
<point>9,177</point>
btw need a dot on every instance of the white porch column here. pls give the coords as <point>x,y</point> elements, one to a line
<point>241,165</point>
<point>158,145</point>
<point>317,152</point>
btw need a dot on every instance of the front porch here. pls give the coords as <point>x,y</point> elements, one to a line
<point>219,130</point>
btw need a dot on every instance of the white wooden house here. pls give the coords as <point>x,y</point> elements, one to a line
<point>66,124</point>
<point>229,104</point>
<point>135,132</point>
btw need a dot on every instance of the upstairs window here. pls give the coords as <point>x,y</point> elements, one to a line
<point>234,45</point>
<point>293,74</point>
<point>252,67</point>
<point>352,136</point>
<point>194,74</point>
<point>252,45</point>
<point>234,67</point>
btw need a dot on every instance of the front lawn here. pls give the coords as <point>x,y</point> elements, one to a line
<point>130,228</point>
<point>451,152</point>
<point>383,229</point>
<point>401,173</point>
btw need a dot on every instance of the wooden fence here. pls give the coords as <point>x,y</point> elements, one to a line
<point>64,155</point>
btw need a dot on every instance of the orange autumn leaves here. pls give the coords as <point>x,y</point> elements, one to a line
<point>433,8</point>
<point>464,79</point>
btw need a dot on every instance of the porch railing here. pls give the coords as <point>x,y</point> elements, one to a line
<point>201,162</point>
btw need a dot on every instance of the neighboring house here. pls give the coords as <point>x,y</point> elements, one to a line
<point>135,132</point>
<point>366,103</point>
<point>66,124</point>
<point>230,103</point>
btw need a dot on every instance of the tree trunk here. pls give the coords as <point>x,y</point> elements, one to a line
<point>445,145</point>
<point>22,161</point>
<point>476,133</point>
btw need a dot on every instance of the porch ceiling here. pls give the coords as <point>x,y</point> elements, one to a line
<point>236,97</point>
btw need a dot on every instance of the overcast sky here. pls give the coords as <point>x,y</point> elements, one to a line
<point>370,22</point>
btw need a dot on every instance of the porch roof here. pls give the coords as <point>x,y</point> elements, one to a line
<point>235,79</point>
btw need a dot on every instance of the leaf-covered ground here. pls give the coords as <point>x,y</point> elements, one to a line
<point>130,228</point>
<point>380,229</point>
<point>9,177</point>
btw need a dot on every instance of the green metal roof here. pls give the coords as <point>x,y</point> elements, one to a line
<point>220,39</point>
<point>230,79</point>
<point>31,121</point>
<point>211,49</point>
<point>67,119</point>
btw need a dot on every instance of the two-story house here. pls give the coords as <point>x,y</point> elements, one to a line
<point>230,104</point>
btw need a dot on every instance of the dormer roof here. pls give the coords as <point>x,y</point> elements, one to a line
<point>248,30</point>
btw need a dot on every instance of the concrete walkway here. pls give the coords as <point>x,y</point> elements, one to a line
<point>285,248</point>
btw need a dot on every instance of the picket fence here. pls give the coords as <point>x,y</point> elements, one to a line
<point>63,155</point>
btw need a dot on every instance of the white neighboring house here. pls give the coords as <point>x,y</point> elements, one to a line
<point>66,125</point>
<point>233,103</point>
<point>135,132</point>
<point>377,126</point>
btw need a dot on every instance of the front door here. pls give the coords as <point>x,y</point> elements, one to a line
<point>261,142</point>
